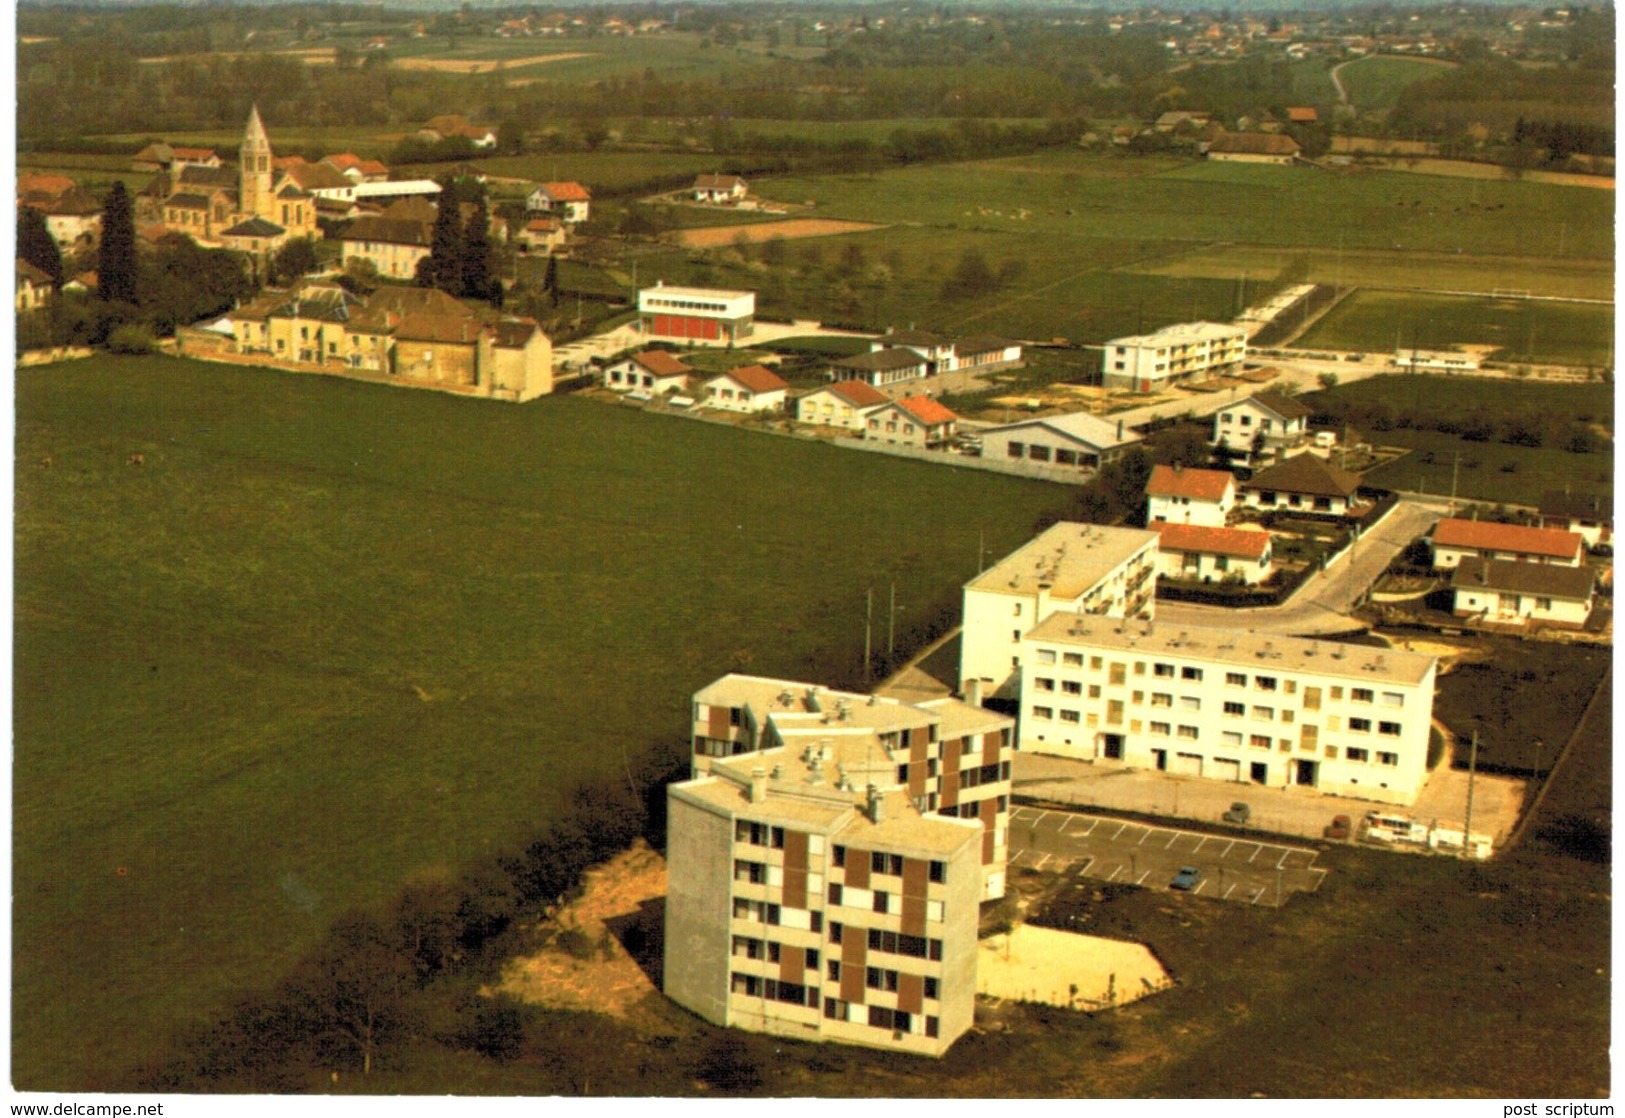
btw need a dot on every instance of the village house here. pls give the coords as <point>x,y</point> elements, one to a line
<point>451,125</point>
<point>1070,568</point>
<point>74,219</point>
<point>254,237</point>
<point>843,404</point>
<point>654,372</point>
<point>161,156</point>
<point>1455,539</point>
<point>1263,427</point>
<point>1076,440</point>
<point>916,421</point>
<point>1507,592</point>
<point>1178,495</point>
<point>880,367</point>
<point>1229,705</point>
<point>720,189</point>
<point>1588,514</point>
<point>1253,147</point>
<point>1183,351</point>
<point>827,861</point>
<point>1304,484</point>
<point>34,288</point>
<point>394,247</point>
<point>1202,553</point>
<point>545,234</point>
<point>570,202</point>
<point>356,169</point>
<point>750,389</point>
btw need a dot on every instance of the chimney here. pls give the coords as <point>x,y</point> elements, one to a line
<point>1119,430</point>
<point>758,785</point>
<point>1041,608</point>
<point>874,799</point>
<point>973,692</point>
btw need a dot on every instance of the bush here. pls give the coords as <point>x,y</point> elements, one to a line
<point>132,338</point>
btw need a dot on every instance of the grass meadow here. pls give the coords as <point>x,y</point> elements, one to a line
<point>1374,83</point>
<point>332,637</point>
<point>1518,329</point>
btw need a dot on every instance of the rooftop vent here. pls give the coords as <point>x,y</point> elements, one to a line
<point>812,700</point>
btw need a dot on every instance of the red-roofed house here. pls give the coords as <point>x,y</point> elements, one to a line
<point>912,421</point>
<point>1199,553</point>
<point>569,200</point>
<point>1302,114</point>
<point>540,234</point>
<point>1181,496</point>
<point>751,388</point>
<point>654,372</point>
<point>1455,540</point>
<point>842,404</point>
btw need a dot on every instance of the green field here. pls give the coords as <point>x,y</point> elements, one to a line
<point>1520,330</point>
<point>1375,82</point>
<point>331,637</point>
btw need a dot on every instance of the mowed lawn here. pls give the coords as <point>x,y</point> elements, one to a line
<point>327,637</point>
<point>1517,329</point>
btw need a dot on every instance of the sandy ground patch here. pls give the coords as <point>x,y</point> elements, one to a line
<point>1461,169</point>
<point>794,229</point>
<point>598,975</point>
<point>1066,969</point>
<point>482,65</point>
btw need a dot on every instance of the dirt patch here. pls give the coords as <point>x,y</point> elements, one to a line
<point>1066,969</point>
<point>482,65</point>
<point>583,961</point>
<point>792,230</point>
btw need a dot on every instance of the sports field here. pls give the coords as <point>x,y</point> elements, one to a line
<point>328,637</point>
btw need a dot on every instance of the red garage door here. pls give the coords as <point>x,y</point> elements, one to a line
<point>687,326</point>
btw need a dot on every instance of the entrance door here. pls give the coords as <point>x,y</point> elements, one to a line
<point>1112,746</point>
<point>1261,772</point>
<point>1307,772</point>
<point>1188,764</point>
<point>1160,756</point>
<point>1226,769</point>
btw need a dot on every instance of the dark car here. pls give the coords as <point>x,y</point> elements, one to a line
<point>1188,878</point>
<point>1238,814</point>
<point>1339,828</point>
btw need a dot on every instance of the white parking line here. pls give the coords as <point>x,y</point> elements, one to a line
<point>1230,890</point>
<point>1148,833</point>
<point>1038,819</point>
<point>1199,885</point>
<point>1119,869</point>
<point>1088,862</point>
<point>1173,838</point>
<point>1256,853</point>
<point>1227,848</point>
<point>1282,863</point>
<point>1201,844</point>
<point>1120,831</point>
<point>1141,879</point>
<point>1255,896</point>
<point>1042,858</point>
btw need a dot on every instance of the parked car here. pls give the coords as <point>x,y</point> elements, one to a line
<point>1238,814</point>
<point>1188,878</point>
<point>1341,827</point>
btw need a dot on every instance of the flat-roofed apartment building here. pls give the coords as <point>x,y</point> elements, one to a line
<point>1150,362</point>
<point>1071,567</point>
<point>696,314</point>
<point>827,862</point>
<point>1229,705</point>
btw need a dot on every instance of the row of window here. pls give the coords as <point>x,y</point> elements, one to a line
<point>1039,453</point>
<point>892,1020</point>
<point>759,834</point>
<point>1117,673</point>
<point>772,990</point>
<point>745,947</point>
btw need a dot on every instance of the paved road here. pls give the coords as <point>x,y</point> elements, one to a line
<point>1322,603</point>
<point>1246,870</point>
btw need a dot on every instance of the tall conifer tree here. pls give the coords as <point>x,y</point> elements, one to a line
<point>116,268</point>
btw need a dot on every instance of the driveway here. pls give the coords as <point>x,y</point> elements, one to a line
<point>1246,870</point>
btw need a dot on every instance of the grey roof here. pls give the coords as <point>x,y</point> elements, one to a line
<point>1305,473</point>
<point>191,174</point>
<point>1282,405</point>
<point>389,230</point>
<point>1547,580</point>
<point>1580,506</point>
<point>882,360</point>
<point>1080,426</point>
<point>254,227</point>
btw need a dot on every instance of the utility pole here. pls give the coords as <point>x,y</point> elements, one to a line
<point>868,627</point>
<point>891,625</point>
<point>1455,472</point>
<point>1472,771</point>
<point>1538,743</point>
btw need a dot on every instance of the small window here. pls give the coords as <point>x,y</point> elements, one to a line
<point>1235,679</point>
<point>1264,682</point>
<point>1188,732</point>
<point>1360,725</point>
<point>1194,674</point>
<point>1046,656</point>
<point>1389,728</point>
<point>939,872</point>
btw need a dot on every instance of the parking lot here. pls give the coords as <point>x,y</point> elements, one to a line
<point>1244,870</point>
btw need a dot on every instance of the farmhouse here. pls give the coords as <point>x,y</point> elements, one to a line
<point>693,314</point>
<point>1076,440</point>
<point>749,389</point>
<point>1201,553</point>
<point>842,404</point>
<point>450,125</point>
<point>34,287</point>
<point>827,862</point>
<point>653,372</point>
<point>720,188</point>
<point>1229,705</point>
<point>881,367</point>
<point>917,421</point>
<point>1070,567</point>
<point>540,234</point>
<point>570,202</point>
<point>1181,496</point>
<point>1184,351</point>
<point>1506,592</point>
<point>1588,514</point>
<point>166,157</point>
<point>393,246</point>
<point>73,216</point>
<point>1455,540</point>
<point>1304,484</point>
<point>1264,426</point>
<point>255,237</point>
<point>1253,147</point>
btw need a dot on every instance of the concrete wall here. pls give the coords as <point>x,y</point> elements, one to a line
<point>699,861</point>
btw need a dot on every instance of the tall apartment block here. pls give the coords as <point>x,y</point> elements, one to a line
<point>827,861</point>
<point>1069,567</point>
<point>1229,705</point>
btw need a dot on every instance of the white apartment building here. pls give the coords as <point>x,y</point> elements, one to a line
<point>1071,567</point>
<point>696,314</point>
<point>1229,705</point>
<point>827,862</point>
<point>1150,362</point>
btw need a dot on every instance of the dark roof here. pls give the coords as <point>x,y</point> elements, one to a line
<point>915,337</point>
<point>395,231</point>
<point>32,274</point>
<point>192,175</point>
<point>317,176</point>
<point>254,227</point>
<point>1253,143</point>
<point>1579,506</point>
<point>717,182</point>
<point>188,201</point>
<point>515,333</point>
<point>882,360</point>
<point>1306,473</point>
<point>1547,580</point>
<point>1282,405</point>
<point>75,201</point>
<point>982,343</point>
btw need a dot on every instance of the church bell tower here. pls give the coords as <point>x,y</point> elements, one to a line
<point>254,163</point>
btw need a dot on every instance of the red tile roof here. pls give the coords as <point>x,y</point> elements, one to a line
<point>661,363</point>
<point>858,393</point>
<point>194,153</point>
<point>1483,535</point>
<point>567,192</point>
<point>1200,485</point>
<point>757,379</point>
<point>1239,542</point>
<point>926,410</point>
